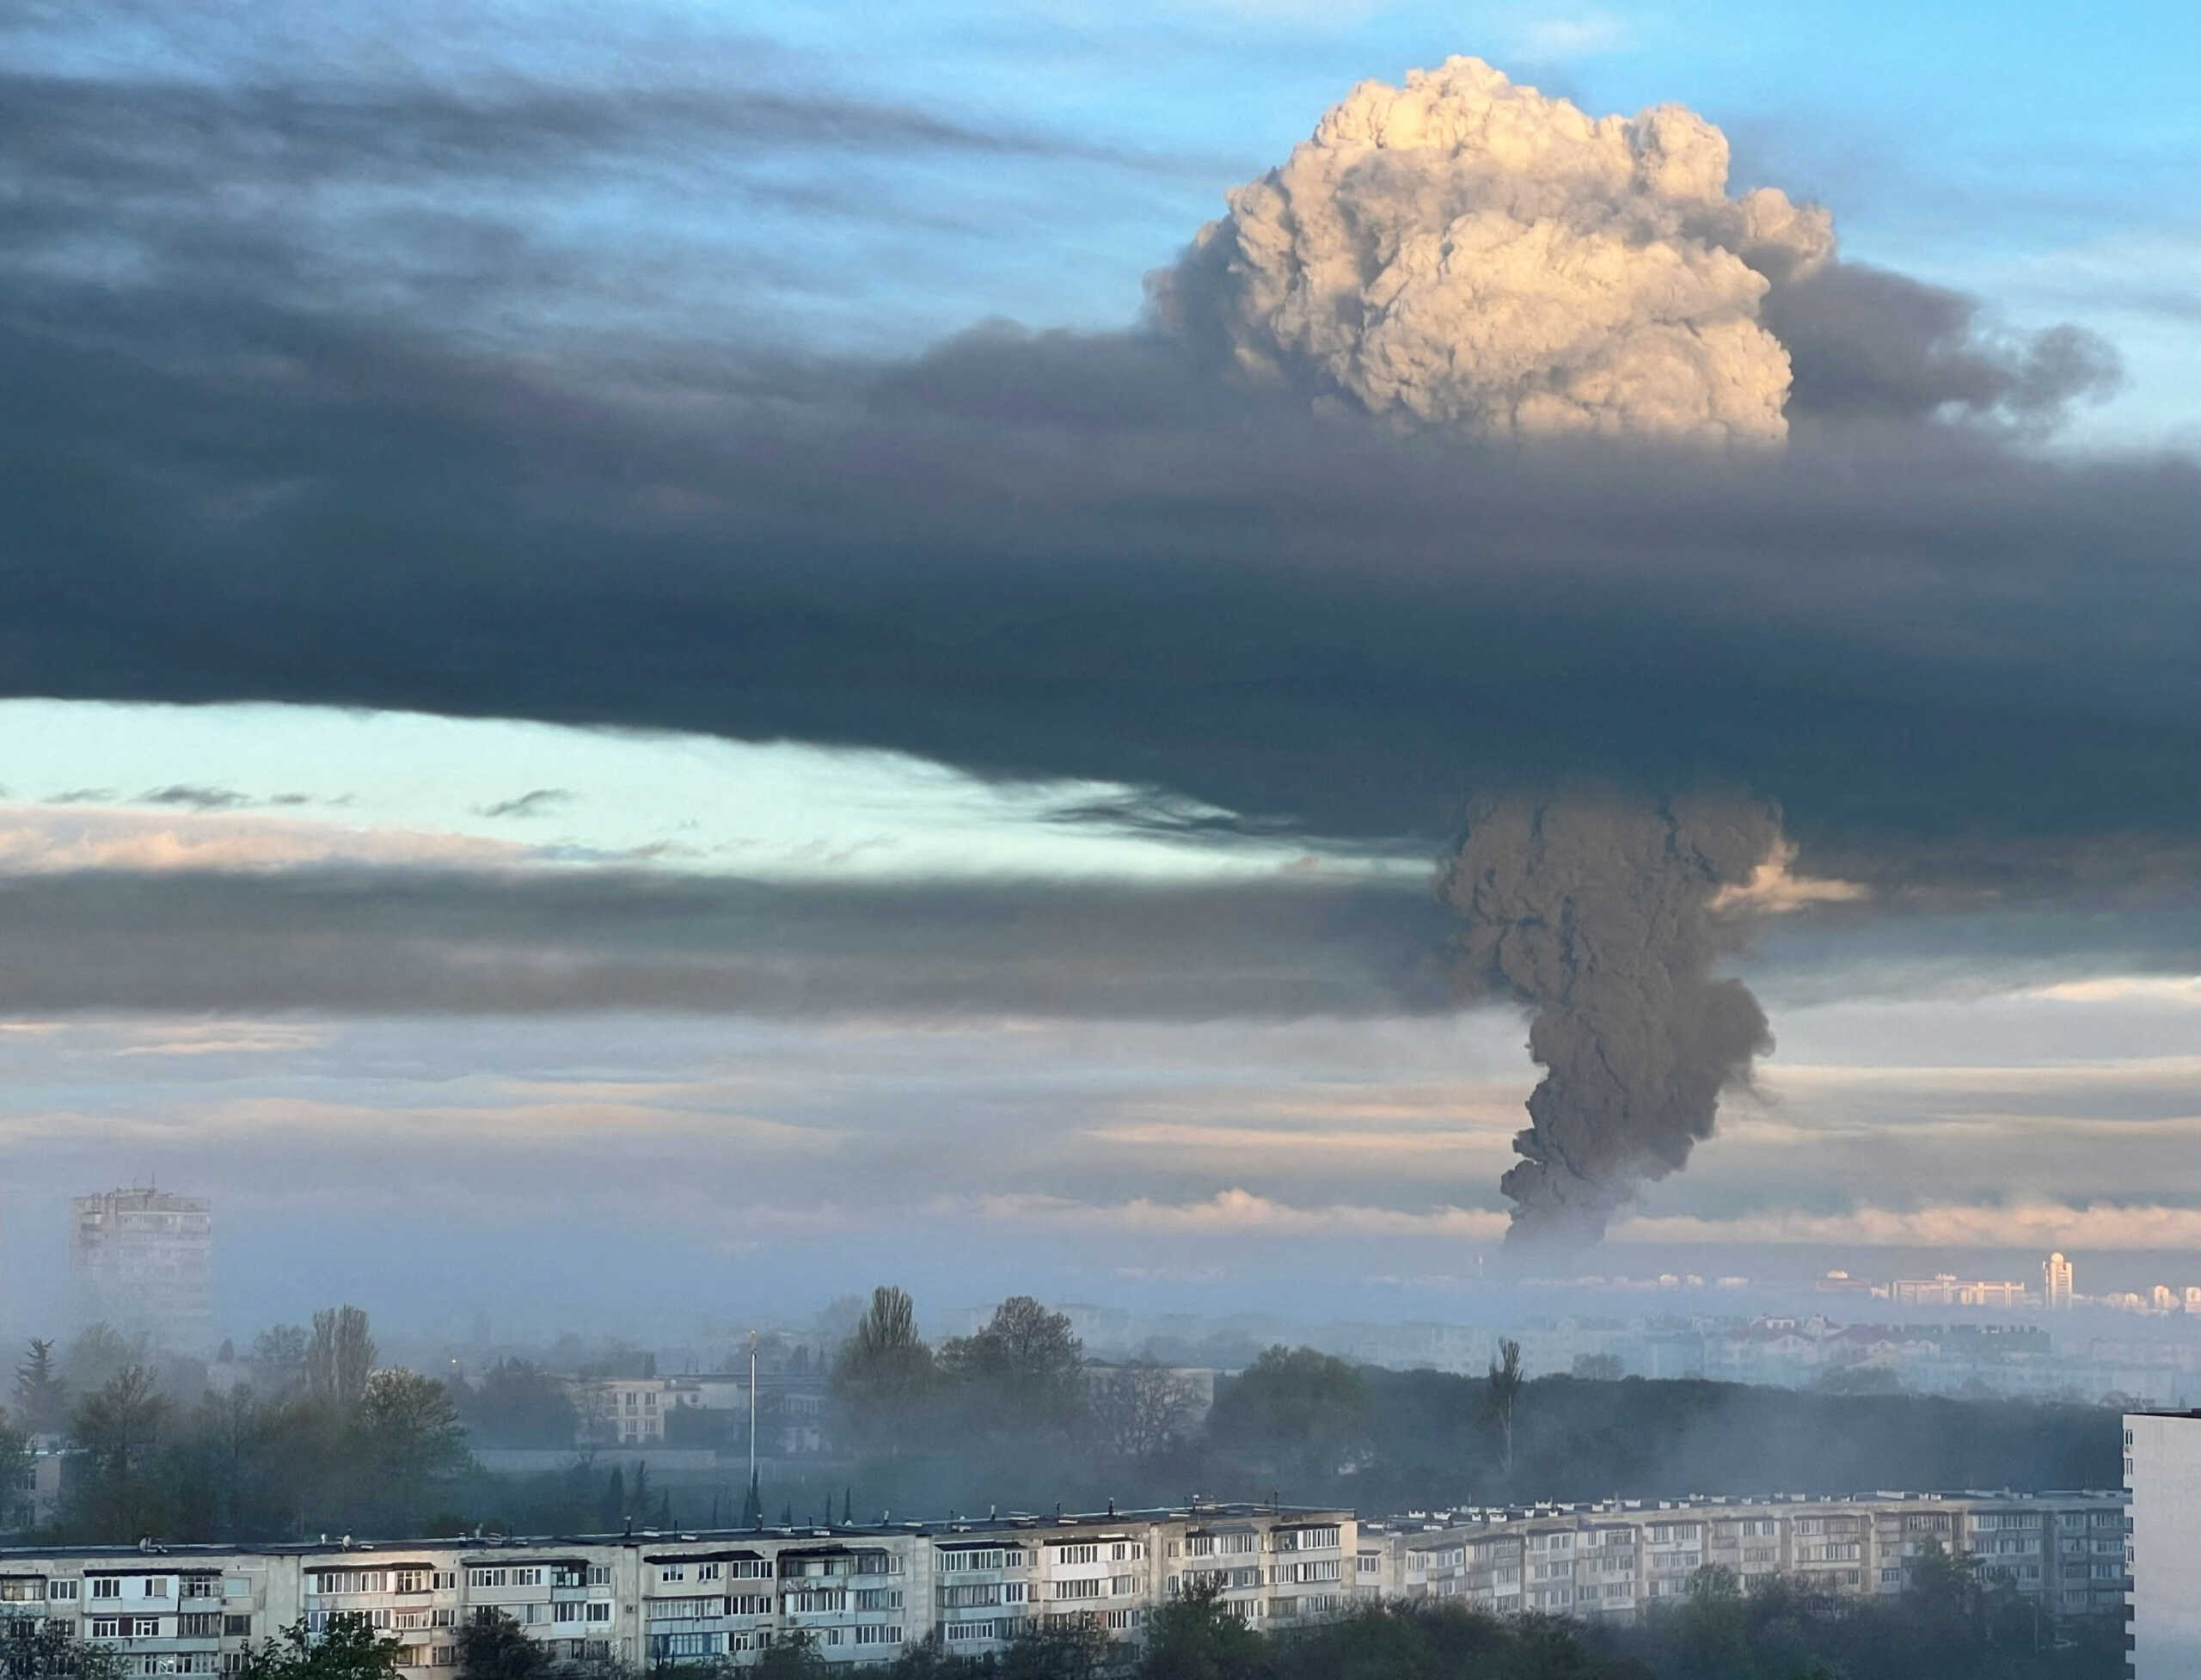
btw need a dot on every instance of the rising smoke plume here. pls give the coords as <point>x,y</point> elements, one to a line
<point>1604,916</point>
<point>1461,251</point>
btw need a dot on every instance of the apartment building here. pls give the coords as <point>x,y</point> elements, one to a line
<point>861,1594</point>
<point>1613,1559</point>
<point>2162,1470</point>
<point>144,1259</point>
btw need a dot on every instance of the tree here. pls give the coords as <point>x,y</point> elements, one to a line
<point>41,1394</point>
<point>339,1356</point>
<point>1504,1397</point>
<point>1198,1637</point>
<point>1295,1410</point>
<point>117,1428</point>
<point>18,1511</point>
<point>278,1358</point>
<point>1140,1408</point>
<point>409,1439</point>
<point>348,1648</point>
<point>884,1371</point>
<point>1028,1366</point>
<point>44,1650</point>
<point>753,1505</point>
<point>520,1404</point>
<point>614,1509</point>
<point>494,1646</point>
<point>99,1354</point>
<point>793,1657</point>
<point>1057,1650</point>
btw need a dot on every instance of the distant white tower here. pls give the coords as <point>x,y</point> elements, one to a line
<point>2056,1271</point>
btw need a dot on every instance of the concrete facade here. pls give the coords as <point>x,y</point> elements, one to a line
<point>1615,1558</point>
<point>862,1594</point>
<point>2162,1471</point>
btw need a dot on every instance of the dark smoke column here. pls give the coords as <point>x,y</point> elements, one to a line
<point>1598,911</point>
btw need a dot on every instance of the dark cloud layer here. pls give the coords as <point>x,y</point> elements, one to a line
<point>400,943</point>
<point>1065,556</point>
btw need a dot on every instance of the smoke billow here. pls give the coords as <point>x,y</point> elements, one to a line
<point>1604,914</point>
<point>1463,251</point>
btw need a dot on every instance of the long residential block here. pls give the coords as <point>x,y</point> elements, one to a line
<point>1613,1557</point>
<point>859,1593</point>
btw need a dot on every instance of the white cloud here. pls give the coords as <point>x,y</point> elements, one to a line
<point>1241,1213</point>
<point>1772,890</point>
<point>1463,252</point>
<point>38,840</point>
<point>2032,1225</point>
<point>2181,990</point>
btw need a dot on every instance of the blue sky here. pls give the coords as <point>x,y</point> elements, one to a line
<point>2037,157</point>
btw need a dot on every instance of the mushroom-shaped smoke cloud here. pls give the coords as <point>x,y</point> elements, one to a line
<point>1461,251</point>
<point>1606,915</point>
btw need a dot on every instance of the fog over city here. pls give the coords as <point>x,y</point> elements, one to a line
<point>1202,840</point>
<point>1358,669</point>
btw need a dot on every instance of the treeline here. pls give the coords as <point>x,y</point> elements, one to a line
<point>330,1440</point>
<point>1947,1626</point>
<point>316,1439</point>
<point>1013,1416</point>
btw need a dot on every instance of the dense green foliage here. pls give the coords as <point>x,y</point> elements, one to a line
<point>996,1420</point>
<point>43,1650</point>
<point>348,1649</point>
<point>1946,1627</point>
<point>314,1440</point>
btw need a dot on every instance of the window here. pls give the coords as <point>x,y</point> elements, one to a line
<point>961,1561</point>
<point>144,1627</point>
<point>154,1587</point>
<point>879,1598</point>
<point>107,1586</point>
<point>106,1627</point>
<point>1080,1555</point>
<point>445,1580</point>
<point>599,1609</point>
<point>1087,1589</point>
<point>199,1626</point>
<point>744,1603</point>
<point>567,1574</point>
<point>201,1586</point>
<point>599,1574</point>
<point>408,1580</point>
<point>566,1610</point>
<point>664,1645</point>
<point>527,1578</point>
<point>486,1578</point>
<point>878,1635</point>
<point>56,1591</point>
<point>708,1572</point>
<point>236,1627</point>
<point>673,1572</point>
